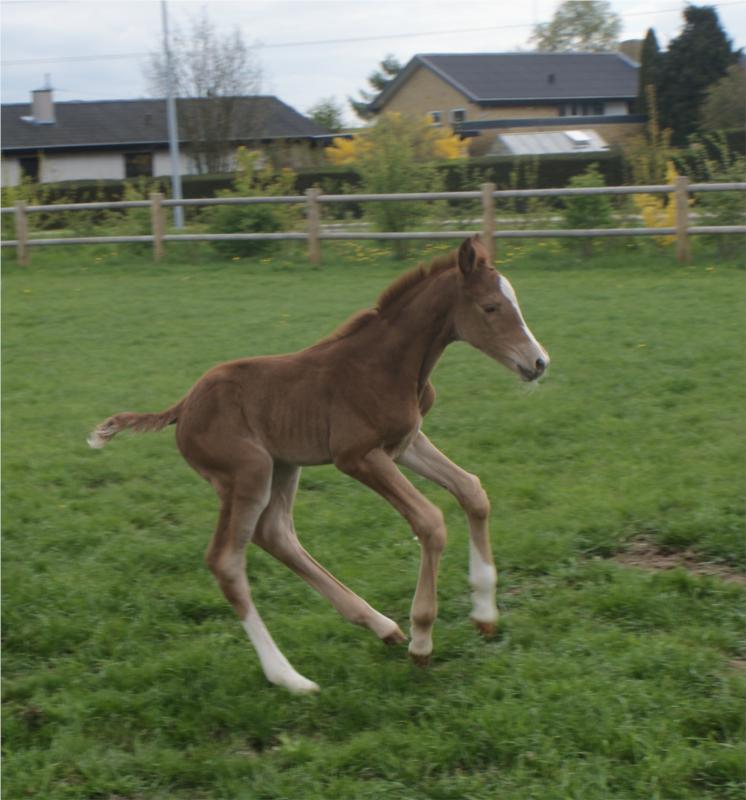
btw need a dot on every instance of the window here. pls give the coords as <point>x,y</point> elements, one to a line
<point>436,118</point>
<point>593,109</point>
<point>138,165</point>
<point>457,115</point>
<point>30,167</point>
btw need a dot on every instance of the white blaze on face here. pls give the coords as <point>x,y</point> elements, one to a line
<point>509,294</point>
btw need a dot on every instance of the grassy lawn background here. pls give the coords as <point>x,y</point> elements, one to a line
<point>126,674</point>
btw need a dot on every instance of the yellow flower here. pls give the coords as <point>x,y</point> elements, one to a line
<point>347,150</point>
<point>656,211</point>
<point>448,146</point>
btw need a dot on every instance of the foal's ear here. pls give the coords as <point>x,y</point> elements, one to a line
<point>467,255</point>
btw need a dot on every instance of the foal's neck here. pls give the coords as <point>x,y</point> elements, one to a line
<point>421,327</point>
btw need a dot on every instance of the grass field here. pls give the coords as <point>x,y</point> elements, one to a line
<point>126,674</point>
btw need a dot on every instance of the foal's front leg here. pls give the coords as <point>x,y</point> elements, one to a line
<point>376,470</point>
<point>426,460</point>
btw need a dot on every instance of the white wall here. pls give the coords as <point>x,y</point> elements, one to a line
<point>10,172</point>
<point>89,166</point>
<point>162,164</point>
<point>616,108</point>
<point>81,167</point>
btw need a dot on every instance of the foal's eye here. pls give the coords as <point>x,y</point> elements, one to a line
<point>490,309</point>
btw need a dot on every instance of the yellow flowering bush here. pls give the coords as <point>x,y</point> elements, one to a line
<point>658,210</point>
<point>345,151</point>
<point>428,142</point>
<point>397,154</point>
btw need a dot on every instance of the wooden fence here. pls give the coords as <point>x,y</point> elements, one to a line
<point>315,232</point>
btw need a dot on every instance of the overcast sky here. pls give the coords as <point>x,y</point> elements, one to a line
<point>307,49</point>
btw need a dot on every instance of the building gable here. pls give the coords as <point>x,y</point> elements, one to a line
<point>489,79</point>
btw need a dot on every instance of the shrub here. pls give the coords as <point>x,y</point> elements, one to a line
<point>714,161</point>
<point>397,154</point>
<point>253,180</point>
<point>658,210</point>
<point>587,211</point>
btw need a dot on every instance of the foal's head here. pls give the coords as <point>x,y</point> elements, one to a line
<point>488,316</point>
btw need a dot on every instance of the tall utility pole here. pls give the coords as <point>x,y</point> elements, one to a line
<point>173,128</point>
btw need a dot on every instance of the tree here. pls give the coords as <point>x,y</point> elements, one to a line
<point>579,26</point>
<point>327,114</point>
<point>698,57</point>
<point>397,154</point>
<point>649,72</point>
<point>378,80</point>
<point>211,73</point>
<point>724,106</point>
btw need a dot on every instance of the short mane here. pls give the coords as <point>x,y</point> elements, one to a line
<point>413,278</point>
<point>391,294</point>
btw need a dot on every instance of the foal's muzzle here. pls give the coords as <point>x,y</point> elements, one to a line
<point>532,374</point>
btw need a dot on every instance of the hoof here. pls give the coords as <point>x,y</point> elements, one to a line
<point>302,686</point>
<point>487,629</point>
<point>395,637</point>
<point>420,660</point>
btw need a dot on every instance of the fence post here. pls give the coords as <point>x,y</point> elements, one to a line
<point>683,249</point>
<point>488,218</point>
<point>313,222</point>
<point>157,224</point>
<point>21,222</point>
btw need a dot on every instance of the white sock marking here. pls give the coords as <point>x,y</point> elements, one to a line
<point>276,667</point>
<point>96,441</point>
<point>421,644</point>
<point>483,579</point>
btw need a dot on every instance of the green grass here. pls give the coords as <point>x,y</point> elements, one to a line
<point>126,674</point>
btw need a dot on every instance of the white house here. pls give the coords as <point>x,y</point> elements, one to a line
<point>118,139</point>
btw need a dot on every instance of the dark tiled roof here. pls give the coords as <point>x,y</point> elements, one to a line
<point>111,123</point>
<point>494,78</point>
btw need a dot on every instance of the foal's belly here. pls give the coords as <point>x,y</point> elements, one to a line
<point>396,449</point>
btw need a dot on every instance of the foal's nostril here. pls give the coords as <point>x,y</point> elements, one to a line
<point>540,365</point>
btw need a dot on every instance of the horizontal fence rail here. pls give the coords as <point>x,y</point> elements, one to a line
<point>315,233</point>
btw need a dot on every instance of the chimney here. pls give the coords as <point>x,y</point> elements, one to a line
<point>42,105</point>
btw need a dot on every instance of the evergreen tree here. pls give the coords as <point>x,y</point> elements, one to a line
<point>725,103</point>
<point>697,58</point>
<point>649,73</point>
<point>378,80</point>
<point>328,114</point>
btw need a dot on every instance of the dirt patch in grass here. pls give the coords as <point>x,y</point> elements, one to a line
<point>643,554</point>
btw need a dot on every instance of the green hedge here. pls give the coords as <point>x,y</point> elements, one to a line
<point>530,172</point>
<point>540,172</point>
<point>457,176</point>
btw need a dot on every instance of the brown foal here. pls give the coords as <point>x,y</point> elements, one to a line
<point>355,399</point>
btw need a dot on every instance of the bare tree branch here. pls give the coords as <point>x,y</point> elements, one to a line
<point>212,76</point>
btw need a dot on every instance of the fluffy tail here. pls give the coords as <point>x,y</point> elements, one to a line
<point>141,423</point>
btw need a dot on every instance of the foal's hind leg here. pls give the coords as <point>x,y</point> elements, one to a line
<point>243,501</point>
<point>276,534</point>
<point>425,459</point>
